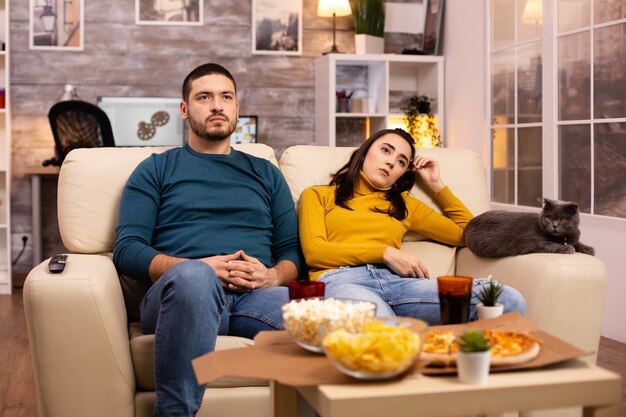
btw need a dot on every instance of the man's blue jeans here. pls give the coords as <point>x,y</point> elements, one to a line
<point>186,309</point>
<point>398,296</point>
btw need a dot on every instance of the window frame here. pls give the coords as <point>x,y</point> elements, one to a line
<point>550,105</point>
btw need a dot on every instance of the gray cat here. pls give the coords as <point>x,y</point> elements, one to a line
<point>498,233</point>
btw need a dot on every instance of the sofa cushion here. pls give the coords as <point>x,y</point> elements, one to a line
<point>304,166</point>
<point>142,352</point>
<point>439,259</point>
<point>87,224</point>
<point>231,402</point>
<point>133,292</point>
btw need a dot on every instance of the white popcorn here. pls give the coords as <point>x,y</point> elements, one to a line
<point>303,318</point>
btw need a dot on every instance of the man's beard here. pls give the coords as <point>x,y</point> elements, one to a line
<point>214,135</point>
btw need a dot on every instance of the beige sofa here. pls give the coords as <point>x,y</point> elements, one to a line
<point>89,361</point>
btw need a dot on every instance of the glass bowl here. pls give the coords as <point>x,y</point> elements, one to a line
<point>302,318</point>
<point>379,350</point>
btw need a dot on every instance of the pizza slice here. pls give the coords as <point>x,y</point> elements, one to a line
<point>507,348</point>
<point>511,348</point>
<point>439,348</point>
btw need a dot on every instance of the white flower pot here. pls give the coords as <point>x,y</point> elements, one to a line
<point>473,367</point>
<point>489,312</point>
<point>368,44</point>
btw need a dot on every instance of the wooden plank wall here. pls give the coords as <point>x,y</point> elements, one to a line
<point>121,58</point>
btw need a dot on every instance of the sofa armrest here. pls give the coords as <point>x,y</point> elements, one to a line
<point>564,293</point>
<point>78,333</point>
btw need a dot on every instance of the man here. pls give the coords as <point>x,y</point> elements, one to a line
<point>215,230</point>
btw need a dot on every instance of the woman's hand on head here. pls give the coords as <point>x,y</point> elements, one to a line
<point>404,264</point>
<point>428,170</point>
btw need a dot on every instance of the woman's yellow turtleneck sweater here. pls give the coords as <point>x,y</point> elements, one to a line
<point>332,236</point>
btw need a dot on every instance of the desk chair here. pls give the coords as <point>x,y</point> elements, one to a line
<point>78,124</point>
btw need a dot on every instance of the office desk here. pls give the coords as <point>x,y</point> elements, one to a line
<point>36,172</point>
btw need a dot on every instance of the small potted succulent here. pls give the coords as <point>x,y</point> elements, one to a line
<point>488,296</point>
<point>473,357</point>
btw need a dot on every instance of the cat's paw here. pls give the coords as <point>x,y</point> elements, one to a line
<point>586,249</point>
<point>567,249</point>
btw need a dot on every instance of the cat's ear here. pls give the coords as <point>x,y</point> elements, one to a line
<point>572,208</point>
<point>547,203</point>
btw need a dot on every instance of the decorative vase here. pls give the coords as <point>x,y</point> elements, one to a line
<point>473,367</point>
<point>368,44</point>
<point>489,312</point>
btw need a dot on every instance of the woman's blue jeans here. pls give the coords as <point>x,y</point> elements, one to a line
<point>398,296</point>
<point>186,309</point>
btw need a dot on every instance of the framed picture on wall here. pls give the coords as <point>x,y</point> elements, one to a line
<point>169,12</point>
<point>144,121</point>
<point>246,131</point>
<point>56,24</point>
<point>404,26</point>
<point>433,29</point>
<point>277,27</point>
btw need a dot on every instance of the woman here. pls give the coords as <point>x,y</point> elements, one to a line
<point>351,230</point>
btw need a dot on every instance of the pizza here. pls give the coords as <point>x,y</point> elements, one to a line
<point>507,348</point>
<point>512,348</point>
<point>439,348</point>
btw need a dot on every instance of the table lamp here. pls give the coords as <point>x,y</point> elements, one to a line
<point>533,12</point>
<point>334,8</point>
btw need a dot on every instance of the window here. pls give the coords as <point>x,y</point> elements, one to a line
<point>591,42</point>
<point>516,101</point>
<point>588,129</point>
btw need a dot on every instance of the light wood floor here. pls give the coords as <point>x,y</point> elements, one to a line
<point>17,388</point>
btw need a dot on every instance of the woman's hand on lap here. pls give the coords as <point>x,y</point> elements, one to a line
<point>404,264</point>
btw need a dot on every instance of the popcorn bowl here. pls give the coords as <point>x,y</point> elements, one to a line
<point>302,318</point>
<point>378,350</point>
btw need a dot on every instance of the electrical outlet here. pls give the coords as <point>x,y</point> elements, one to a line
<point>17,242</point>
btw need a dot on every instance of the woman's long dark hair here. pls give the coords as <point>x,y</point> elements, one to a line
<point>346,178</point>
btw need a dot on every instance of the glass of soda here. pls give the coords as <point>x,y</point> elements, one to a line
<point>455,296</point>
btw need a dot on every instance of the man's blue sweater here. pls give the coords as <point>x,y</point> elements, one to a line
<point>192,205</point>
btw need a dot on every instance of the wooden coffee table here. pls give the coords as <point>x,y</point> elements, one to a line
<point>570,384</point>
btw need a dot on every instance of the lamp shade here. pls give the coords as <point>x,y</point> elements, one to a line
<point>329,8</point>
<point>533,12</point>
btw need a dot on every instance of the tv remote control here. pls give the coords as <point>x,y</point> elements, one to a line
<point>57,264</point>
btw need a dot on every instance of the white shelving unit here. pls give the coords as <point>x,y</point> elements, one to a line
<point>5,154</point>
<point>386,80</point>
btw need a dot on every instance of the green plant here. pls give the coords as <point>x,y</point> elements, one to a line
<point>473,341</point>
<point>369,17</point>
<point>419,105</point>
<point>490,293</point>
<point>420,121</point>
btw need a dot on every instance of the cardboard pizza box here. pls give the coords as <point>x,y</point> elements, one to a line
<point>276,357</point>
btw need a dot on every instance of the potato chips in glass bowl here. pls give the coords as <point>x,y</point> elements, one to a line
<point>381,349</point>
<point>303,317</point>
